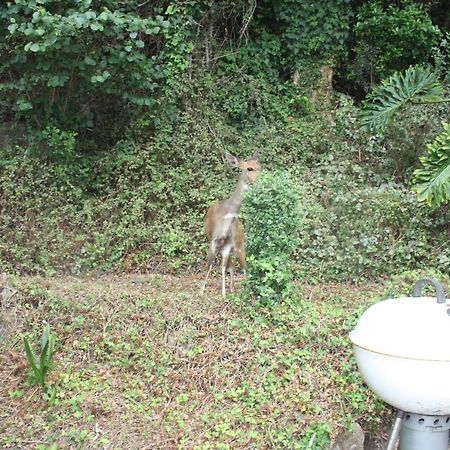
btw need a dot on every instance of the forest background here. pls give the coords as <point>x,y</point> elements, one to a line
<point>116,116</point>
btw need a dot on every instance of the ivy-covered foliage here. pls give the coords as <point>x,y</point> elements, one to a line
<point>77,64</point>
<point>390,37</point>
<point>272,218</point>
<point>313,31</point>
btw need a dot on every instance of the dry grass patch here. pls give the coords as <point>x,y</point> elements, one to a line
<point>143,361</point>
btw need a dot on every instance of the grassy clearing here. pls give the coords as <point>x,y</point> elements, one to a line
<point>144,362</point>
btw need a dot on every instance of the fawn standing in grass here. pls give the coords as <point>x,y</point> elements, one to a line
<point>223,229</point>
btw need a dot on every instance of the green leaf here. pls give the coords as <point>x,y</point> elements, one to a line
<point>57,80</point>
<point>36,16</point>
<point>43,363</point>
<point>31,358</point>
<point>45,336</point>
<point>13,27</point>
<point>100,78</point>
<point>80,21</point>
<point>90,15</point>
<point>23,105</point>
<point>89,61</point>
<point>97,27</point>
<point>416,85</point>
<point>35,47</point>
<point>104,15</point>
<point>432,180</point>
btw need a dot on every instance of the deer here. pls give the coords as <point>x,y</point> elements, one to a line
<point>223,229</point>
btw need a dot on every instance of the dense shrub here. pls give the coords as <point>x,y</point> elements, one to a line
<point>441,58</point>
<point>141,206</point>
<point>137,206</point>
<point>78,64</point>
<point>37,217</point>
<point>312,31</point>
<point>406,138</point>
<point>272,219</point>
<point>390,39</point>
<point>356,231</point>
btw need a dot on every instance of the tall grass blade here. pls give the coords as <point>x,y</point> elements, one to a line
<point>31,358</point>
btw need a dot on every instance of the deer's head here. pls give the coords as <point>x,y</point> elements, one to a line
<point>250,169</point>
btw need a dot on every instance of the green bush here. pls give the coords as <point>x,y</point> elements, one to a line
<point>77,64</point>
<point>390,39</point>
<point>433,178</point>
<point>441,58</point>
<point>138,205</point>
<point>312,31</point>
<point>356,232</point>
<point>141,205</point>
<point>401,284</point>
<point>272,218</point>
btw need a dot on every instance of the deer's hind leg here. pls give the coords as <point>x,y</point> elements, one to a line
<point>231,270</point>
<point>226,253</point>
<point>211,256</point>
<point>209,262</point>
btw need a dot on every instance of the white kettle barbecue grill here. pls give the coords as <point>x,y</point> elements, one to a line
<point>402,348</point>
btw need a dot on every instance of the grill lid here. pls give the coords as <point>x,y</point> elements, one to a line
<point>408,327</point>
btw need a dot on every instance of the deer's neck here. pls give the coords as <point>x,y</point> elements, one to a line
<point>235,201</point>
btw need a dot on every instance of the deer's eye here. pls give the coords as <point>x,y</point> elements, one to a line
<point>250,169</point>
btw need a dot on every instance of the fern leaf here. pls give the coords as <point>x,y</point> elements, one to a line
<point>416,85</point>
<point>432,180</point>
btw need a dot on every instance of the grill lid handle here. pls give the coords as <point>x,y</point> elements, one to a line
<point>419,285</point>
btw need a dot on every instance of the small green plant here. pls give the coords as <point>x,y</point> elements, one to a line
<point>417,85</point>
<point>40,366</point>
<point>272,219</point>
<point>433,178</point>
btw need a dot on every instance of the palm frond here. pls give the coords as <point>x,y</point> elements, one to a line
<point>432,180</point>
<point>416,85</point>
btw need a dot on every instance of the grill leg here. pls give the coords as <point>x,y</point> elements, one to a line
<point>420,432</point>
<point>395,432</point>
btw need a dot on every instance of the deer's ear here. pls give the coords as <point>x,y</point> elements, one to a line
<point>232,160</point>
<point>255,156</point>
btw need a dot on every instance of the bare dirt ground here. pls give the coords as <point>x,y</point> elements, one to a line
<point>145,362</point>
